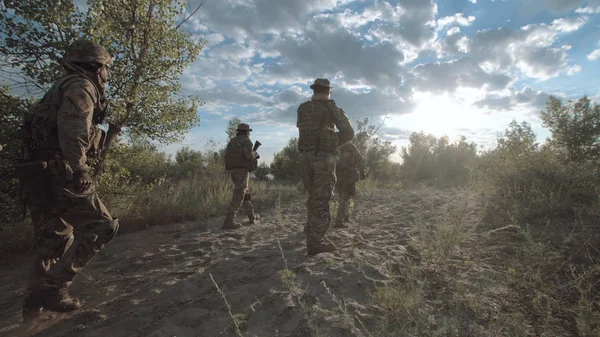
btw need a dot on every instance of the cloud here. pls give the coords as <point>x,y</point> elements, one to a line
<point>530,49</point>
<point>326,49</point>
<point>410,23</point>
<point>588,10</point>
<point>456,19</point>
<point>528,97</point>
<point>464,72</point>
<point>594,55</point>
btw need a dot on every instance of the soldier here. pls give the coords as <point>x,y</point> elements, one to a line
<point>70,223</point>
<point>350,168</point>
<point>319,144</point>
<point>240,160</point>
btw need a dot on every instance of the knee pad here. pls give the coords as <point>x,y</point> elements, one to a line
<point>105,231</point>
<point>113,227</point>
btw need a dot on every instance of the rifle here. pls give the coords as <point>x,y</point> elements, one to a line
<point>257,144</point>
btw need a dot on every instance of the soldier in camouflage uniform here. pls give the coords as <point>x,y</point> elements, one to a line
<point>350,168</point>
<point>319,144</point>
<point>70,223</point>
<point>240,160</point>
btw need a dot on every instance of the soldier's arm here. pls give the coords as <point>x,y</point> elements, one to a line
<point>247,149</point>
<point>74,123</point>
<point>346,132</point>
<point>358,158</point>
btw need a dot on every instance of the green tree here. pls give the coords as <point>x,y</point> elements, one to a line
<point>375,151</point>
<point>146,38</point>
<point>262,172</point>
<point>286,163</point>
<point>517,140</point>
<point>11,110</point>
<point>575,128</point>
<point>232,127</point>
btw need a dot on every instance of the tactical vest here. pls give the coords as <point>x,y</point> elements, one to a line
<point>316,127</point>
<point>234,154</point>
<point>40,125</point>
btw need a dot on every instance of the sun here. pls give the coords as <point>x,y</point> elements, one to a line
<point>440,114</point>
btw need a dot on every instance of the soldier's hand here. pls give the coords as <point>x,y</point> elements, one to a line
<point>363,175</point>
<point>82,180</point>
<point>256,155</point>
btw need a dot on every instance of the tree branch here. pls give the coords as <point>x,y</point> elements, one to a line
<point>190,16</point>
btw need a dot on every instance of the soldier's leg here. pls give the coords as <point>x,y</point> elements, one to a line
<point>307,175</point>
<point>51,239</point>
<point>247,204</point>
<point>324,182</point>
<point>237,198</point>
<point>93,227</point>
<point>342,211</point>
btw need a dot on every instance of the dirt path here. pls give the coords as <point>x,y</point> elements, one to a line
<point>413,263</point>
<point>157,282</point>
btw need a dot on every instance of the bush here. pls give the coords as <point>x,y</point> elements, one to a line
<point>429,158</point>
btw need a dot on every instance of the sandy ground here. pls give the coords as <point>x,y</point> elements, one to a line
<point>157,282</point>
<point>163,281</point>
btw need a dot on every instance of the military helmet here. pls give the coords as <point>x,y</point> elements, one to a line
<point>244,127</point>
<point>86,51</point>
<point>321,82</point>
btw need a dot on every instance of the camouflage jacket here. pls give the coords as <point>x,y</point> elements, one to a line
<point>316,124</point>
<point>63,121</point>
<point>238,153</point>
<point>350,164</point>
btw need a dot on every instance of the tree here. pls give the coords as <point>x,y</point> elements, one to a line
<point>517,140</point>
<point>232,127</point>
<point>286,163</point>
<point>575,128</point>
<point>262,172</point>
<point>11,110</point>
<point>375,151</point>
<point>145,37</point>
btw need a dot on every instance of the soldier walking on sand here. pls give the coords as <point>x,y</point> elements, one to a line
<point>319,144</point>
<point>240,159</point>
<point>350,168</point>
<point>70,223</point>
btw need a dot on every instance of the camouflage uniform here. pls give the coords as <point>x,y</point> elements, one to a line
<point>350,168</point>
<point>319,144</point>
<point>70,223</point>
<point>240,160</point>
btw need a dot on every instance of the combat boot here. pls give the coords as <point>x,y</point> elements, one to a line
<point>324,247</point>
<point>230,224</point>
<point>339,223</point>
<point>31,308</point>
<point>253,218</point>
<point>53,299</point>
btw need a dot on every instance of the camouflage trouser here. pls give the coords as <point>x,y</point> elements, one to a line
<point>318,177</point>
<point>69,227</point>
<point>240,197</point>
<point>346,191</point>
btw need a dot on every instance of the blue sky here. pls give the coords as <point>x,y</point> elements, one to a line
<point>447,67</point>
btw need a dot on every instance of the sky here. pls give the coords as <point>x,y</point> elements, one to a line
<point>446,67</point>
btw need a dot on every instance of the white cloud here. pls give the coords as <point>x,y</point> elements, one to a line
<point>574,70</point>
<point>530,49</point>
<point>528,97</point>
<point>588,10</point>
<point>473,1</point>
<point>594,55</point>
<point>456,19</point>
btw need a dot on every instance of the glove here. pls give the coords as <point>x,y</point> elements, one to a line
<point>363,175</point>
<point>256,155</point>
<point>82,180</point>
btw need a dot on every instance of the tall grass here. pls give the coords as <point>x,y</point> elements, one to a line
<point>203,196</point>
